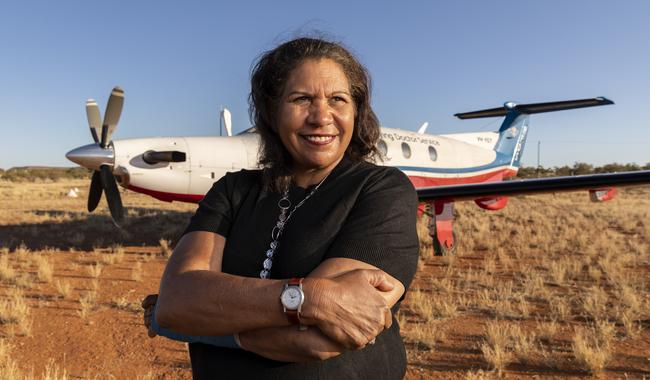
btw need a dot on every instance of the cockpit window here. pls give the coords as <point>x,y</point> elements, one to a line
<point>406,150</point>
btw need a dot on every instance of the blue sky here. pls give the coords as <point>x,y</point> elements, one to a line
<point>178,62</point>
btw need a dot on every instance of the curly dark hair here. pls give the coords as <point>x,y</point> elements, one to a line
<point>268,78</point>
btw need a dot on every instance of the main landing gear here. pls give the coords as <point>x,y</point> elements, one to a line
<point>441,228</point>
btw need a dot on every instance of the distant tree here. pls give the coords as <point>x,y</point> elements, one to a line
<point>527,172</point>
<point>31,174</point>
<point>580,168</point>
<point>563,170</point>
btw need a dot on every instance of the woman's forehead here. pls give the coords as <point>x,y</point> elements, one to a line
<point>316,75</point>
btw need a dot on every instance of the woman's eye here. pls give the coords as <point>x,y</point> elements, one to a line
<point>339,99</point>
<point>301,99</point>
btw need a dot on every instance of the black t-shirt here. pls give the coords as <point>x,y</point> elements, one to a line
<point>361,211</point>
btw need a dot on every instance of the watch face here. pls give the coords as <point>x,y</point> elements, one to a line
<point>291,298</point>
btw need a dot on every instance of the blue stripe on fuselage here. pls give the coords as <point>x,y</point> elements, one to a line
<point>501,160</point>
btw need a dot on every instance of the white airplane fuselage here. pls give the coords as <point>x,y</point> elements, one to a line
<point>428,160</point>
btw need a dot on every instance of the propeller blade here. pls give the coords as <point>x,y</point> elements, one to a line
<point>112,194</point>
<point>226,119</point>
<point>112,116</point>
<point>94,119</point>
<point>95,192</point>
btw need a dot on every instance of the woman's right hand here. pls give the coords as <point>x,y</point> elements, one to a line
<point>349,308</point>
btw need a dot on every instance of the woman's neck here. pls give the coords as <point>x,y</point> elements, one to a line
<point>306,179</point>
<point>311,177</point>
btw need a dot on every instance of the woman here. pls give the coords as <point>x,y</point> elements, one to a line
<point>303,262</point>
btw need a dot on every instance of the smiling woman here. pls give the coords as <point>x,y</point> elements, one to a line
<point>296,270</point>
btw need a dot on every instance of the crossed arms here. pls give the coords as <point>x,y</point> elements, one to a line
<point>347,303</point>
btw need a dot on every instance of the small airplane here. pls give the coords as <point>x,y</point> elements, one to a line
<point>443,168</point>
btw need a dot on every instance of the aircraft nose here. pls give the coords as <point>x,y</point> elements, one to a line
<point>92,156</point>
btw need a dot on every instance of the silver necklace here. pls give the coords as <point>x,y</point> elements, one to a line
<point>284,204</point>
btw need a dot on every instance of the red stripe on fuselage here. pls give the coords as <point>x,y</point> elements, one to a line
<point>168,197</point>
<point>496,176</point>
<point>418,182</point>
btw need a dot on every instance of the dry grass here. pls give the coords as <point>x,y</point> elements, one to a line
<point>632,327</point>
<point>564,267</point>
<point>546,331</point>
<point>428,334</point>
<point>165,249</point>
<point>560,308</point>
<point>589,353</point>
<point>478,375</point>
<point>15,313</point>
<point>53,372</point>
<point>7,272</point>
<point>95,270</point>
<point>87,303</point>
<point>122,303</point>
<point>115,255</point>
<point>63,288</point>
<point>136,272</point>
<point>44,269</point>
<point>497,357</point>
<point>8,367</point>
<point>594,303</point>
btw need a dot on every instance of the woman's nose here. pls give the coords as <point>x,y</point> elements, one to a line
<point>320,113</point>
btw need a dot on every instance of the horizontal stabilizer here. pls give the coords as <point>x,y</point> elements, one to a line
<point>535,108</point>
<point>533,186</point>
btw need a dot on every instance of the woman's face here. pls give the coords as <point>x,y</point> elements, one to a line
<point>316,115</point>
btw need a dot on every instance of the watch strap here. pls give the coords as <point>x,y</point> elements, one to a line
<point>293,317</point>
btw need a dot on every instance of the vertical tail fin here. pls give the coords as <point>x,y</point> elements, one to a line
<point>512,137</point>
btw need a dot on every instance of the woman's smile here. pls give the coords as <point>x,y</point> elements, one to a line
<point>319,140</point>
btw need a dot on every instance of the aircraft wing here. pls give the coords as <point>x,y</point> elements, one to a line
<point>533,186</point>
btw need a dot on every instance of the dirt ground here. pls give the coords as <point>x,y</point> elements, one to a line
<point>550,287</point>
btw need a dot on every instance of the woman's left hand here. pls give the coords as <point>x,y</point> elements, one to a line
<point>148,304</point>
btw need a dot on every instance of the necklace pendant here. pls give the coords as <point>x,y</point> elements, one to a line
<point>268,263</point>
<point>269,253</point>
<point>264,274</point>
<point>274,244</point>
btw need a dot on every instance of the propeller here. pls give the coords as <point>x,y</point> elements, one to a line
<point>103,179</point>
<point>225,121</point>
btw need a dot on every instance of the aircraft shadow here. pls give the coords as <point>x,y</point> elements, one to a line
<point>81,231</point>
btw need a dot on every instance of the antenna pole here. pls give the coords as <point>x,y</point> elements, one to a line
<point>539,144</point>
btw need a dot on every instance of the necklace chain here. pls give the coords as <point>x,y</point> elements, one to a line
<point>284,204</point>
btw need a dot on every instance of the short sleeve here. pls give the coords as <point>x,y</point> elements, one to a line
<point>215,209</point>
<point>381,227</point>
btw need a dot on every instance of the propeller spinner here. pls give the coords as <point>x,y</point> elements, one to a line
<point>100,156</point>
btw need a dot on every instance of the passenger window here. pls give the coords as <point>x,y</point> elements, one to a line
<point>383,149</point>
<point>406,150</point>
<point>433,155</point>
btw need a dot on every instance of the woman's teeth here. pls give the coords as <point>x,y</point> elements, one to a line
<point>319,139</point>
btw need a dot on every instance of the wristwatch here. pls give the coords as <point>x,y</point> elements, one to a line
<point>292,298</point>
